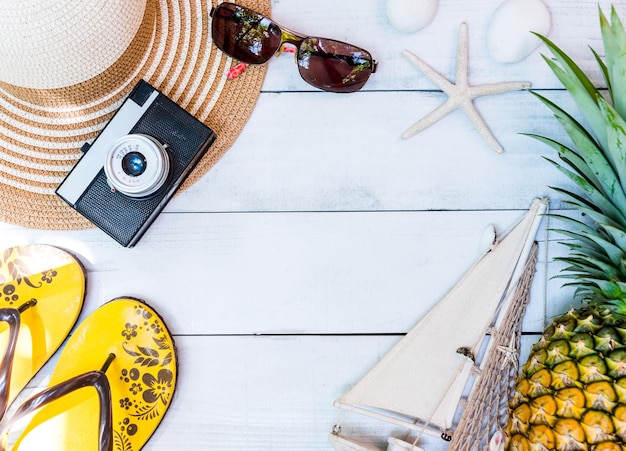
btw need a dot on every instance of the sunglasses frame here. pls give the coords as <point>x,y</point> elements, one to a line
<point>294,38</point>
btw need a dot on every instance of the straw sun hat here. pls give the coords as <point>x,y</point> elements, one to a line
<point>67,65</point>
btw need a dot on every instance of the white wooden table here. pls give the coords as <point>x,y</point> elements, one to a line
<point>321,237</point>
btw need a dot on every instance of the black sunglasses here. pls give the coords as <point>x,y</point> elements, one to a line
<point>252,38</point>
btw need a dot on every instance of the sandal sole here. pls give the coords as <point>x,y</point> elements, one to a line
<point>56,280</point>
<point>142,377</point>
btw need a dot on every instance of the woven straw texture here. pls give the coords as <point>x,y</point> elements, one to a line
<point>43,129</point>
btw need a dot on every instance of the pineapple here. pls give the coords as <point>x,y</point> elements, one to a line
<point>571,393</point>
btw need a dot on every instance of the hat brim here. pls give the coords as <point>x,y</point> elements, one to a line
<point>42,130</point>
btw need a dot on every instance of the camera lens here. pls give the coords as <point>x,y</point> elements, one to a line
<point>134,164</point>
<point>137,165</point>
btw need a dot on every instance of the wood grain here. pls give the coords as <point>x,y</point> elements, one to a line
<point>321,237</point>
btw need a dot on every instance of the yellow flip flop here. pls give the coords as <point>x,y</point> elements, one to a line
<point>111,387</point>
<point>42,289</point>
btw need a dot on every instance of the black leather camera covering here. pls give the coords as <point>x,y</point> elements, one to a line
<point>125,218</point>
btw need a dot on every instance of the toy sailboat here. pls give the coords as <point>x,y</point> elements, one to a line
<point>419,384</point>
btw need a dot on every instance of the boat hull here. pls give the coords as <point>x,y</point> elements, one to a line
<point>342,443</point>
<point>395,444</point>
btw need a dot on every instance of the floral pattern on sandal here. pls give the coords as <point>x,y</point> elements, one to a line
<point>23,268</point>
<point>42,289</point>
<point>149,382</point>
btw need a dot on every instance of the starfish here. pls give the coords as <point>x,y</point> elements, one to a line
<point>510,353</point>
<point>460,94</point>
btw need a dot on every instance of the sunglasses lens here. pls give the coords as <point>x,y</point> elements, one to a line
<point>244,34</point>
<point>334,66</point>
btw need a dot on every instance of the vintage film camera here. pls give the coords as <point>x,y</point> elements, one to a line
<point>134,166</point>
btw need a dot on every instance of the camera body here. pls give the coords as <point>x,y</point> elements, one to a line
<point>132,169</point>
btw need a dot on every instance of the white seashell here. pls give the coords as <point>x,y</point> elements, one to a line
<point>508,36</point>
<point>497,441</point>
<point>487,239</point>
<point>409,16</point>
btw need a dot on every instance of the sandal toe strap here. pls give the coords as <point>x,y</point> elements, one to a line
<point>96,379</point>
<point>11,316</point>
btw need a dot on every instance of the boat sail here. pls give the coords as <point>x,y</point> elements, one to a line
<point>419,383</point>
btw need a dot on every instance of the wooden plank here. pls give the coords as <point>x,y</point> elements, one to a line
<point>291,273</point>
<point>349,156</point>
<point>261,393</point>
<point>364,23</point>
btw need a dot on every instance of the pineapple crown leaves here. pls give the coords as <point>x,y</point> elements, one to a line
<point>614,39</point>
<point>596,163</point>
<point>581,88</point>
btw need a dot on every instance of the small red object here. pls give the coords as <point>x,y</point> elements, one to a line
<point>236,71</point>
<point>239,68</point>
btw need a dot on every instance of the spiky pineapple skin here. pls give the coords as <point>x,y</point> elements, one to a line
<point>571,393</point>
